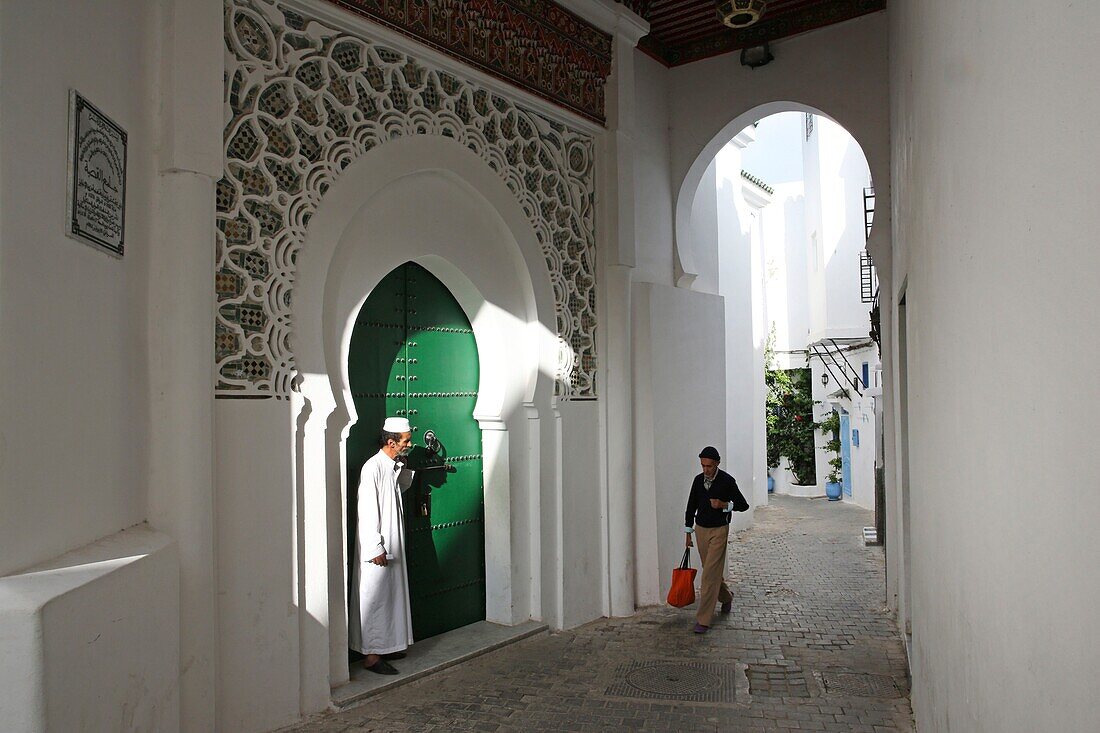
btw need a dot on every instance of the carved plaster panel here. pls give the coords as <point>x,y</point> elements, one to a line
<point>303,101</point>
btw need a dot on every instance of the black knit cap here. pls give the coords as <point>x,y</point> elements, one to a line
<point>710,452</point>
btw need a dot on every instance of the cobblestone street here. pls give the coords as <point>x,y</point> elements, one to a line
<point>808,646</point>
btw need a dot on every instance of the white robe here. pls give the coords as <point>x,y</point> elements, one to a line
<point>379,619</point>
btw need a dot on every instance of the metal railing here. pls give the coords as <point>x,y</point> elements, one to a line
<point>868,210</point>
<point>844,373</point>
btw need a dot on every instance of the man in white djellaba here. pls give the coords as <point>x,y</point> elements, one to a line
<point>380,622</point>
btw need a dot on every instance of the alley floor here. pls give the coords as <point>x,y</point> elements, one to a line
<point>809,646</point>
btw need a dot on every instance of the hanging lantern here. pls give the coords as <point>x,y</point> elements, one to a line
<point>740,13</point>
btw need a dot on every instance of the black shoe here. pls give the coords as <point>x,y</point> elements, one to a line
<point>381,667</point>
<point>395,655</point>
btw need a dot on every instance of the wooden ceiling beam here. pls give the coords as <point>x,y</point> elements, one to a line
<point>674,14</point>
<point>706,25</point>
<point>688,30</point>
<point>671,27</point>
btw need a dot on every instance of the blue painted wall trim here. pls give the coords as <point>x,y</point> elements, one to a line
<point>846,453</point>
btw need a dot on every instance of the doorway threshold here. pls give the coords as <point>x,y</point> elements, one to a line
<point>432,655</point>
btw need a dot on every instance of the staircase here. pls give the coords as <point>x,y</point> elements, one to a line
<point>837,365</point>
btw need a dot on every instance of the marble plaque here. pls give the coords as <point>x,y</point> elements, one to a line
<point>96,210</point>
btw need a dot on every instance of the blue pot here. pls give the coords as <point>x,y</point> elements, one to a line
<point>771,485</point>
<point>832,491</point>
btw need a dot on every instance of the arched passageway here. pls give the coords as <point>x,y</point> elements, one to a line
<point>792,256</point>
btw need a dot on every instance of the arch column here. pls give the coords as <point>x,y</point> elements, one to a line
<point>180,336</point>
<point>618,272</point>
<point>318,485</point>
<point>496,471</point>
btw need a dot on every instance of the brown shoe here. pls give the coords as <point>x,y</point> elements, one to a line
<point>381,667</point>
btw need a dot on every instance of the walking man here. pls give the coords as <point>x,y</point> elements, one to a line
<point>714,495</point>
<point>380,621</point>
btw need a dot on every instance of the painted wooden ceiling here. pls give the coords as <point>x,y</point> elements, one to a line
<point>682,31</point>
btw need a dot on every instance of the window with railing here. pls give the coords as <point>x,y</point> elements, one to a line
<point>809,125</point>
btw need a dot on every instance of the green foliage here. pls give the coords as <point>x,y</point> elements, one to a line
<point>790,422</point>
<point>831,427</point>
<point>778,385</point>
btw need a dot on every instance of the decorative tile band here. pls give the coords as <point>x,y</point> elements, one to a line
<point>534,44</point>
<point>303,101</point>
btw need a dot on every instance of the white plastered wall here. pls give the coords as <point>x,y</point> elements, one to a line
<point>741,283</point>
<point>652,182</point>
<point>785,267</point>
<point>92,354</point>
<point>843,171</point>
<point>71,317</point>
<point>994,154</point>
<point>680,366</point>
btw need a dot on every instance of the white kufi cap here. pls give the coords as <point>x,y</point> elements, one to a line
<point>397,425</point>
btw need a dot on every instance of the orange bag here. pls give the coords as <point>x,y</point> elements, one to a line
<point>682,592</point>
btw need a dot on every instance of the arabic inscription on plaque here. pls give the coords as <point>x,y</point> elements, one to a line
<point>97,177</point>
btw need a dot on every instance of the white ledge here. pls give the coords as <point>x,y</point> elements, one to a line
<point>92,638</point>
<point>32,588</point>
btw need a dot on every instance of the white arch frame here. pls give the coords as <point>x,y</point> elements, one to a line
<point>686,269</point>
<point>348,250</point>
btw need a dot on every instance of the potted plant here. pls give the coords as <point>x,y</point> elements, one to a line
<point>831,427</point>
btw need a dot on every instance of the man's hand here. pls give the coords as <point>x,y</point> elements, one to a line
<point>687,538</point>
<point>718,504</point>
<point>380,560</point>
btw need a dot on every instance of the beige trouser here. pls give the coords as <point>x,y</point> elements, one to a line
<point>711,544</point>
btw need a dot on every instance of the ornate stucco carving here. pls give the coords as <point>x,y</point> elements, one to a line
<point>304,100</point>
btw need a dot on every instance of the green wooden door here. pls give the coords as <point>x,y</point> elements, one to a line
<point>413,354</point>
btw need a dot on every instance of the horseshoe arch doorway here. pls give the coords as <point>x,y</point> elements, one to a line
<point>413,354</point>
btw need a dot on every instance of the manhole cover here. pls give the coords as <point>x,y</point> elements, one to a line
<point>673,679</point>
<point>853,684</point>
<point>686,681</point>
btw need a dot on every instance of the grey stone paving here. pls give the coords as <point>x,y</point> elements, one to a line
<point>809,646</point>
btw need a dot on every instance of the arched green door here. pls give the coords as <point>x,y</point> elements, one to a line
<point>413,354</point>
